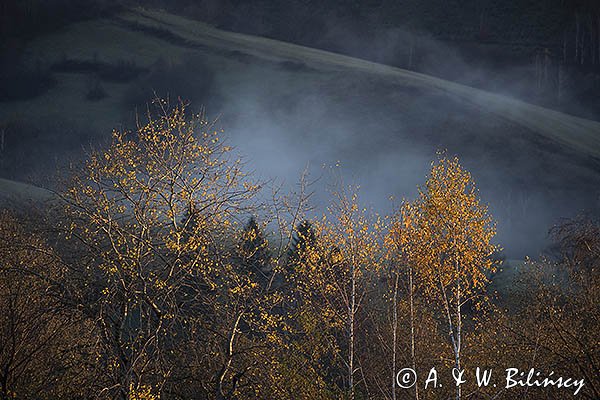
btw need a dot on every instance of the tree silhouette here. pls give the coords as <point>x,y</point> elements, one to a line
<point>255,256</point>
<point>304,238</point>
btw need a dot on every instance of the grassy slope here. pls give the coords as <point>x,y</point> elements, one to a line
<point>85,41</point>
<point>113,42</point>
<point>580,134</point>
<point>18,192</point>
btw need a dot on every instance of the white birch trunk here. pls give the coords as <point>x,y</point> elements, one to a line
<point>351,317</point>
<point>412,328</point>
<point>394,334</point>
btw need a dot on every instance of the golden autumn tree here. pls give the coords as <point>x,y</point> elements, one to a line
<point>333,276</point>
<point>447,235</point>
<point>155,217</point>
<point>398,245</point>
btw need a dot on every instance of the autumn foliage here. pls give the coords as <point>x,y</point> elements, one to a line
<point>160,273</point>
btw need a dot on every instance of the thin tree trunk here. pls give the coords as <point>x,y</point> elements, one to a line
<point>394,334</point>
<point>598,41</point>
<point>229,353</point>
<point>411,51</point>
<point>565,46</point>
<point>538,73</point>
<point>559,81</point>
<point>481,25</point>
<point>458,331</point>
<point>560,67</point>
<point>126,361</point>
<point>451,331</point>
<point>576,38</point>
<point>582,52</point>
<point>412,327</point>
<point>592,40</point>
<point>546,67</point>
<point>351,312</point>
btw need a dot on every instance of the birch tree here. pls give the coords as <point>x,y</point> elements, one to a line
<point>399,243</point>
<point>334,276</point>
<point>451,233</point>
<point>154,215</point>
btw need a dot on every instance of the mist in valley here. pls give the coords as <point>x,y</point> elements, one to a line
<point>285,116</point>
<point>384,139</point>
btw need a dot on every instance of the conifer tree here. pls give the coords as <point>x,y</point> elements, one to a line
<point>304,237</point>
<point>255,256</point>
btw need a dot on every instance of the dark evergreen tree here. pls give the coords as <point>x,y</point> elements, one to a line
<point>304,236</point>
<point>254,254</point>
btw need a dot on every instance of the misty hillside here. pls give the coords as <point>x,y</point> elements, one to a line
<point>291,106</point>
<point>542,52</point>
